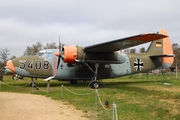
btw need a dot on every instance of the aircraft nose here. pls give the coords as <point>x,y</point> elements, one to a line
<point>10,65</point>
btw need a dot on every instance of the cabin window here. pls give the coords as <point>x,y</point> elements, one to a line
<point>45,54</point>
<point>49,55</point>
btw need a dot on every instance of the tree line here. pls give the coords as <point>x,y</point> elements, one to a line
<point>30,50</point>
<point>33,49</point>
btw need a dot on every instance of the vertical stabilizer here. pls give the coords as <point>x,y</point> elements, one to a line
<point>162,48</point>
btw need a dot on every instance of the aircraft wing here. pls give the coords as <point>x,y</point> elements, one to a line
<point>123,43</point>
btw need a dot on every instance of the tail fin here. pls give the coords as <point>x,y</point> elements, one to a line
<point>162,48</point>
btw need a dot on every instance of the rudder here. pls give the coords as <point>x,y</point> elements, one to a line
<point>162,47</point>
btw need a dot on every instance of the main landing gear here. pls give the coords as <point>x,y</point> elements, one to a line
<point>95,81</point>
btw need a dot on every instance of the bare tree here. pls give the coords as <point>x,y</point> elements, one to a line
<point>51,46</point>
<point>4,54</point>
<point>133,50</point>
<point>176,52</point>
<point>126,51</point>
<point>142,50</point>
<point>32,50</point>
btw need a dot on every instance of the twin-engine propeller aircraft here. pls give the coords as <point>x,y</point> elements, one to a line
<point>97,61</point>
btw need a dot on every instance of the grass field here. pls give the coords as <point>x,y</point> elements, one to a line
<point>135,96</point>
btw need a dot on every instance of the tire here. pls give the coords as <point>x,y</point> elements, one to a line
<point>32,84</point>
<point>73,81</point>
<point>95,85</point>
<point>1,78</point>
<point>14,77</point>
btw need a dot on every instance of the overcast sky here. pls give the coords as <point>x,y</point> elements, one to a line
<point>83,22</point>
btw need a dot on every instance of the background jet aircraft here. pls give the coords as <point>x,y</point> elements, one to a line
<point>97,61</point>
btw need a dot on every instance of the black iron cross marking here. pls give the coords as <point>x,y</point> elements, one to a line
<point>138,64</point>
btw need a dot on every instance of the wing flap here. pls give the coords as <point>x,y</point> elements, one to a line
<point>123,43</point>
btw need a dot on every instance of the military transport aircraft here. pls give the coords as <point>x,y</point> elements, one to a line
<point>98,61</point>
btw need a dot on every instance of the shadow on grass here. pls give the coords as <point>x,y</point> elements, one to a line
<point>117,84</point>
<point>106,83</point>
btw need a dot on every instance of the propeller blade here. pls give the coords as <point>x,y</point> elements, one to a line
<point>59,44</point>
<point>59,59</point>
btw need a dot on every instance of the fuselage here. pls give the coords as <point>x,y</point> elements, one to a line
<point>44,65</point>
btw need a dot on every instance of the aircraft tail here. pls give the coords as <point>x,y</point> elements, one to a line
<point>162,48</point>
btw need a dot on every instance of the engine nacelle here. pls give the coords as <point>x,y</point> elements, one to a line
<point>70,54</point>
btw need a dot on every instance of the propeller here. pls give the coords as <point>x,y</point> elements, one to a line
<point>60,51</point>
<point>60,54</point>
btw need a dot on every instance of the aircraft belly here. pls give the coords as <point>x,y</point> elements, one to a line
<point>121,69</point>
<point>104,71</point>
<point>23,72</point>
<point>166,65</point>
<point>64,72</point>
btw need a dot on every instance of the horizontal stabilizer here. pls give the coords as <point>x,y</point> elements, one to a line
<point>160,56</point>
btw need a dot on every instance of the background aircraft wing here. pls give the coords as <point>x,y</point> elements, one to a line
<point>123,43</point>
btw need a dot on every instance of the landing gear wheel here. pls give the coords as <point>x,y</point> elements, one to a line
<point>73,81</point>
<point>95,85</point>
<point>32,84</point>
<point>14,77</point>
<point>1,78</point>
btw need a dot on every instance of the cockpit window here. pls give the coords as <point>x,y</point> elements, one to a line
<point>45,54</point>
<point>39,54</point>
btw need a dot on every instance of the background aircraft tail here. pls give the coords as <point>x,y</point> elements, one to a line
<point>162,48</point>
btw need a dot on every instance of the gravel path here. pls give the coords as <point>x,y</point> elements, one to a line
<point>17,106</point>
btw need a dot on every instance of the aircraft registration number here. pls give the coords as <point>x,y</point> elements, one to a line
<point>34,64</point>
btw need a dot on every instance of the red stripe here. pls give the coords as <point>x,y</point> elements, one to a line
<point>54,66</point>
